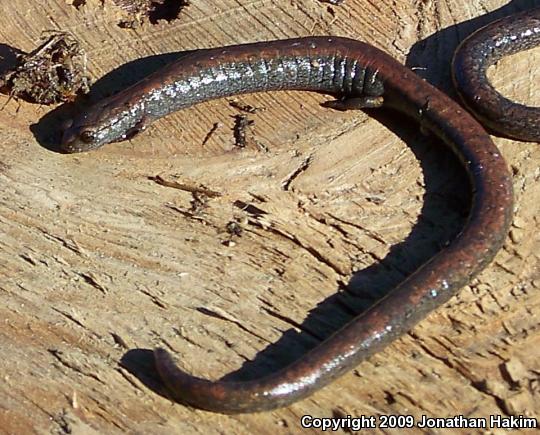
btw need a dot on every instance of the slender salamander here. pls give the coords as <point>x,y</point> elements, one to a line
<point>486,46</point>
<point>361,76</point>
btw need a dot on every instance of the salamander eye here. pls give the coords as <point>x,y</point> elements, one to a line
<point>87,136</point>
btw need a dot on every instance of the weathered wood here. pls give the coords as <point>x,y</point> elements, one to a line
<point>97,259</point>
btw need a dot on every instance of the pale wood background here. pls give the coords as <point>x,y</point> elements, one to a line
<point>99,264</point>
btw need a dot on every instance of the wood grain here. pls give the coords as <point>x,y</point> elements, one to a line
<point>99,263</point>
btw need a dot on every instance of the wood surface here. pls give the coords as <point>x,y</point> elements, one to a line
<point>99,263</point>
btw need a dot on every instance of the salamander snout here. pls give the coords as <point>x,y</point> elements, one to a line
<point>76,139</point>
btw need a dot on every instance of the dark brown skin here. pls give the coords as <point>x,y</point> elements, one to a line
<point>363,76</point>
<point>477,53</point>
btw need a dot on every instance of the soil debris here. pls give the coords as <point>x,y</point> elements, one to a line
<point>54,72</point>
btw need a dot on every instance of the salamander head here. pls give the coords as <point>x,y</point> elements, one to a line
<point>99,126</point>
<point>77,138</point>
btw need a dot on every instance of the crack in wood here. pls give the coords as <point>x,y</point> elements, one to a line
<point>218,313</point>
<point>70,317</point>
<point>293,323</point>
<point>90,279</point>
<point>155,300</point>
<point>310,249</point>
<point>304,165</point>
<point>73,365</point>
<point>66,243</point>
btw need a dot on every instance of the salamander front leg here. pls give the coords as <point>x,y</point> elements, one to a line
<point>354,103</point>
